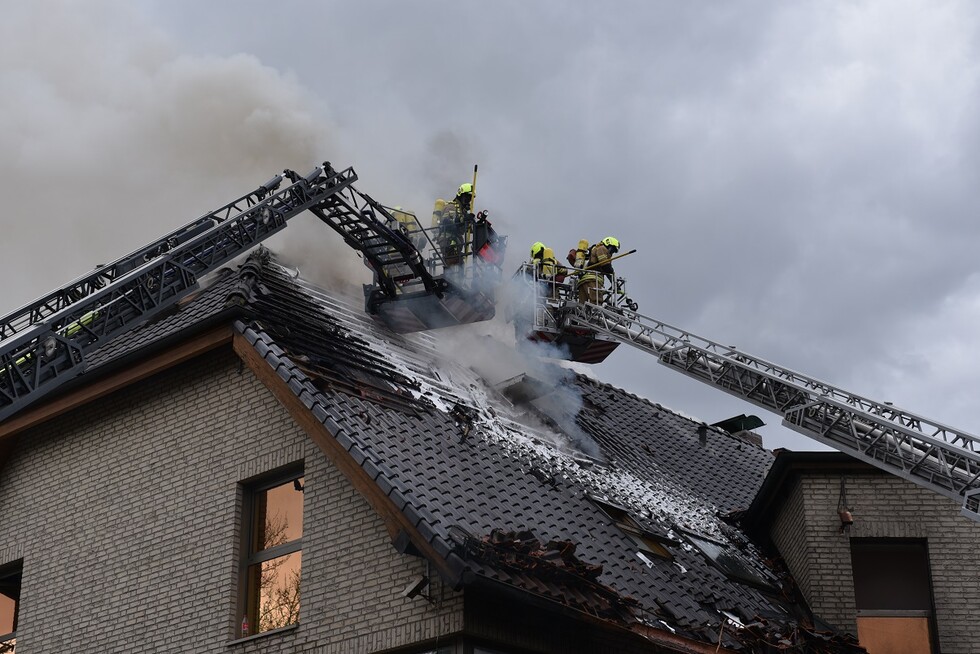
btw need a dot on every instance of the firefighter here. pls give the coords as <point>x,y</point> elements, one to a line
<point>452,227</point>
<point>464,200</point>
<point>578,256</point>
<point>599,267</point>
<point>537,255</point>
<point>552,272</point>
<point>437,211</point>
<point>601,253</point>
<point>546,267</point>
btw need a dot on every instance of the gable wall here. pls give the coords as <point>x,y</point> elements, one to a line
<point>790,538</point>
<point>887,507</point>
<point>126,514</point>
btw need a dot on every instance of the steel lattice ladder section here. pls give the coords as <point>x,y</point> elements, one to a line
<point>369,228</point>
<point>928,453</point>
<point>45,344</point>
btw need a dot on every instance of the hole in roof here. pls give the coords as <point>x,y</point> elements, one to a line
<point>729,561</point>
<point>649,540</point>
<point>544,477</point>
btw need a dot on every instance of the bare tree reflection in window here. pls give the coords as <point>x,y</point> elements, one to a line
<point>273,564</point>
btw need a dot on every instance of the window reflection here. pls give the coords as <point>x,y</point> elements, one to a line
<point>8,608</point>
<point>278,515</point>
<point>272,563</point>
<point>10,579</point>
<point>279,587</point>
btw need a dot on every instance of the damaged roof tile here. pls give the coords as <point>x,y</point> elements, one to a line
<point>502,500</point>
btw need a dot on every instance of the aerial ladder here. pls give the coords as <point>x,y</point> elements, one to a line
<point>923,451</point>
<point>47,342</point>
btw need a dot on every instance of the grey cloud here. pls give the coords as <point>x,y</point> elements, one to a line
<point>798,178</point>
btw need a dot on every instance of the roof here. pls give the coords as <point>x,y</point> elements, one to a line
<point>570,497</point>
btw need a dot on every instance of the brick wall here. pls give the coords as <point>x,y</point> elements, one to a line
<point>790,537</point>
<point>884,506</point>
<point>126,513</point>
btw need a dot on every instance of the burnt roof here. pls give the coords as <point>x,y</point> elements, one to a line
<point>507,498</point>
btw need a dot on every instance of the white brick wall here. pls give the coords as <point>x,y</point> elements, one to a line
<point>126,515</point>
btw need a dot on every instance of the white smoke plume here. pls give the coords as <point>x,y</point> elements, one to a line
<point>144,140</point>
<point>496,353</point>
<point>147,138</point>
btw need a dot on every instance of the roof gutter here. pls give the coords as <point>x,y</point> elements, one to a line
<point>659,637</point>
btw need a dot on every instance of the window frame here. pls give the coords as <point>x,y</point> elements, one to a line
<point>12,571</point>
<point>875,546</point>
<point>249,490</point>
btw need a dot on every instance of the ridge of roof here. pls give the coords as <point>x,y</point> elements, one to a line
<point>218,300</point>
<point>714,428</point>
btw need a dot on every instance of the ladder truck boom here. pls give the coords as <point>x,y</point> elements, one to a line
<point>923,451</point>
<point>91,282</point>
<point>926,452</point>
<point>46,343</point>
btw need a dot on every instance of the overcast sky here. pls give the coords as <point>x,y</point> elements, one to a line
<point>799,178</point>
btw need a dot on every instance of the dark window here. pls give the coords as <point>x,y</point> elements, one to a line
<point>893,594</point>
<point>272,552</point>
<point>10,576</point>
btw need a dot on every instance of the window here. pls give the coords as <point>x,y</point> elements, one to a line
<point>271,552</point>
<point>893,594</point>
<point>10,576</point>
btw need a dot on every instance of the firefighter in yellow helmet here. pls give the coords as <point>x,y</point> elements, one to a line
<point>602,252</point>
<point>452,226</point>
<point>464,197</point>
<point>598,268</point>
<point>537,255</point>
<point>552,272</point>
<point>546,267</point>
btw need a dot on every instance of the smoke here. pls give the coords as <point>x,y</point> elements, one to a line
<point>321,256</point>
<point>112,138</point>
<point>495,352</point>
<point>449,162</point>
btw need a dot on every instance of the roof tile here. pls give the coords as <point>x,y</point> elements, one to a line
<point>503,475</point>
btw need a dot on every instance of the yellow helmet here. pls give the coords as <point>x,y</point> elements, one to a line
<point>537,249</point>
<point>464,189</point>
<point>611,242</point>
